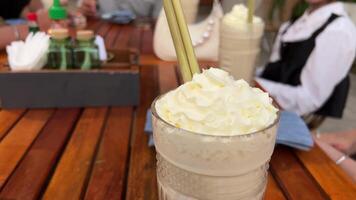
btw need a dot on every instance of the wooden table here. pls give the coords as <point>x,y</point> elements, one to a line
<point>102,153</point>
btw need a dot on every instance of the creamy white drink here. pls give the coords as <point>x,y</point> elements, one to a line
<point>214,137</point>
<point>240,43</point>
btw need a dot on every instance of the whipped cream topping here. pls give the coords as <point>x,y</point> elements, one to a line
<point>213,103</point>
<point>237,17</point>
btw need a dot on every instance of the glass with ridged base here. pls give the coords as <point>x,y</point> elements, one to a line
<point>194,166</point>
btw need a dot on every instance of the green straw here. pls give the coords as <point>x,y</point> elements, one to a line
<point>177,40</point>
<point>251,9</point>
<point>187,42</point>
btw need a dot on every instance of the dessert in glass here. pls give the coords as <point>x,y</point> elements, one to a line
<point>240,43</point>
<point>214,137</point>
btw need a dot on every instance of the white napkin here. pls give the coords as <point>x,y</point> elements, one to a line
<point>101,46</point>
<point>30,54</point>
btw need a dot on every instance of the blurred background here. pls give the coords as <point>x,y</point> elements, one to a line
<point>274,13</point>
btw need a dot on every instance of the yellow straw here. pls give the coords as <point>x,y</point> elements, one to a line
<point>251,9</point>
<point>184,32</point>
<point>177,40</point>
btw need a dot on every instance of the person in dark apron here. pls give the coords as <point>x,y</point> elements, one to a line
<point>309,65</point>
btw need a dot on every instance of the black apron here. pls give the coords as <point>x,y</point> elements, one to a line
<point>293,57</point>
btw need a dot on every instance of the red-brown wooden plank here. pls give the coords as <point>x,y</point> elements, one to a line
<point>109,170</point>
<point>292,177</point>
<point>69,179</point>
<point>148,59</point>
<point>123,38</point>
<point>111,36</point>
<point>31,175</point>
<point>3,59</point>
<point>94,24</point>
<point>142,183</point>
<point>19,139</point>
<point>273,192</point>
<point>135,39</point>
<point>103,29</point>
<point>330,177</point>
<point>7,119</point>
<point>147,41</point>
<point>167,77</point>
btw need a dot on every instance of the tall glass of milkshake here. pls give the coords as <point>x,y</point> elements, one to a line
<point>240,43</point>
<point>214,137</point>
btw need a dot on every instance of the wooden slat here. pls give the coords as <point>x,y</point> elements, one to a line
<point>103,29</point>
<point>3,59</point>
<point>19,139</point>
<point>273,191</point>
<point>70,176</point>
<point>30,176</point>
<point>123,39</point>
<point>94,24</point>
<point>292,177</point>
<point>167,77</point>
<point>330,177</point>
<point>111,36</point>
<point>142,183</point>
<point>147,41</point>
<point>109,170</point>
<point>7,119</point>
<point>151,60</point>
<point>135,39</point>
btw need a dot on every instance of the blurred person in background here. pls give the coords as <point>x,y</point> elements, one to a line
<point>311,59</point>
<point>13,12</point>
<point>343,141</point>
<point>341,148</point>
<point>142,8</point>
<point>13,9</point>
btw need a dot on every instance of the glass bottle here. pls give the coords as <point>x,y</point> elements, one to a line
<point>58,15</point>
<point>32,23</point>
<point>86,53</point>
<point>60,50</point>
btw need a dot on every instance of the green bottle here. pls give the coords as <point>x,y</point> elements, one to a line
<point>32,23</point>
<point>58,15</point>
<point>60,50</point>
<point>86,53</point>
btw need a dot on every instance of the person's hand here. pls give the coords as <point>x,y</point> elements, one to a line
<point>88,7</point>
<point>343,141</point>
<point>331,151</point>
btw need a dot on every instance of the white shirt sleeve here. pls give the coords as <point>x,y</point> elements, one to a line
<point>327,65</point>
<point>276,46</point>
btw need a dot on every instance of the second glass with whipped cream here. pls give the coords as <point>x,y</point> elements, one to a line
<point>214,138</point>
<point>240,43</point>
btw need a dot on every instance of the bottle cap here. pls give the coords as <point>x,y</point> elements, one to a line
<point>56,11</point>
<point>32,16</point>
<point>59,33</point>
<point>85,35</point>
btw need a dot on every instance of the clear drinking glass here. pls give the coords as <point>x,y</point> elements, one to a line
<point>239,49</point>
<point>194,166</point>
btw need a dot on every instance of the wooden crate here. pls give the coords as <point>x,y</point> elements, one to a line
<point>115,84</point>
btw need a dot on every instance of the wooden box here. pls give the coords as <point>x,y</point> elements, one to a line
<point>114,84</point>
